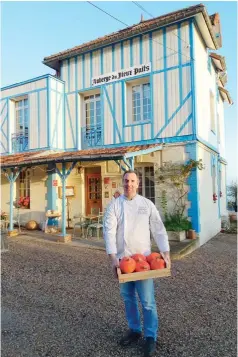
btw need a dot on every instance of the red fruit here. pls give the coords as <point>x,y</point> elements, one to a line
<point>139,257</point>
<point>157,263</point>
<point>142,266</point>
<point>152,256</point>
<point>127,265</point>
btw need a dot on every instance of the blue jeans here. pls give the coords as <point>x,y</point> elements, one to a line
<point>145,290</point>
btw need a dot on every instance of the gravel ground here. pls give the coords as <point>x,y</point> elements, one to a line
<point>62,301</point>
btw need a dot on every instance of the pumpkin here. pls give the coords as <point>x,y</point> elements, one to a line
<point>152,256</point>
<point>127,265</point>
<point>142,266</point>
<point>157,263</point>
<point>139,257</point>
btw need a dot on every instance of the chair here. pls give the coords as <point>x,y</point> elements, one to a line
<point>16,219</point>
<point>97,225</point>
<point>80,222</point>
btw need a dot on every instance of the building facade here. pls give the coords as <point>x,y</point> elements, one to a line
<point>158,82</point>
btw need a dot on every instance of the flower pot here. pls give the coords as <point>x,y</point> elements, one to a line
<point>176,236</point>
<point>191,234</point>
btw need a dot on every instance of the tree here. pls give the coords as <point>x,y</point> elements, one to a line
<point>232,193</point>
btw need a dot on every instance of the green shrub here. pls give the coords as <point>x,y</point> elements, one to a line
<point>176,223</point>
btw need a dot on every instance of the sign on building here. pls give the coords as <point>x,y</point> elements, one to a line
<point>122,74</point>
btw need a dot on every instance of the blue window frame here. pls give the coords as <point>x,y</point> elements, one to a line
<point>141,103</point>
<point>93,131</point>
<point>20,137</point>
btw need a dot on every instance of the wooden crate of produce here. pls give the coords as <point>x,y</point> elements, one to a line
<point>159,273</point>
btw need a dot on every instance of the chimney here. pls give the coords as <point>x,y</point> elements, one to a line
<point>142,18</point>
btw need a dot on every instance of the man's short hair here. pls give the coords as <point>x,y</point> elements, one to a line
<point>131,172</point>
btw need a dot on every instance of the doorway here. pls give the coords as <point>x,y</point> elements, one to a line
<point>93,193</point>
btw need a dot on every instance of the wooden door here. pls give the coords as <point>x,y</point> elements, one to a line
<point>94,193</point>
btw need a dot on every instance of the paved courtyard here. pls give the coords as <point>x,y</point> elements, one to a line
<point>59,300</point>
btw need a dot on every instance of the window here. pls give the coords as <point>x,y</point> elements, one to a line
<point>20,137</point>
<point>23,189</point>
<point>92,105</point>
<point>93,110</point>
<point>141,103</point>
<point>212,112</point>
<point>147,182</point>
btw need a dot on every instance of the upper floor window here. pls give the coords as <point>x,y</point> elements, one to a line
<point>93,110</point>
<point>141,103</point>
<point>93,130</point>
<point>20,137</point>
<point>22,116</point>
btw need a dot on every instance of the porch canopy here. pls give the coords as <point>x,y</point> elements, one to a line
<point>13,164</point>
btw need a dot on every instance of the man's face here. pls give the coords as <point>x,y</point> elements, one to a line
<point>130,184</point>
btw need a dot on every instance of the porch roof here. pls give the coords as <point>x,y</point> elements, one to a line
<point>100,154</point>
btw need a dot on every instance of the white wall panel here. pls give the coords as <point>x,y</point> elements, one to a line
<point>147,131</point>
<point>127,133</point>
<point>146,48</point>
<point>185,45</point>
<point>107,58</point>
<point>158,54</point>
<point>87,70</point>
<point>173,91</point>
<point>64,74</point>
<point>172,46</point>
<point>159,113</point>
<point>108,126</point>
<point>223,205</point>
<point>118,107</point>
<point>209,215</point>
<point>79,72</point>
<point>126,50</point>
<point>96,63</point>
<point>186,81</point>
<point>53,122</point>
<point>43,119</point>
<point>72,74</point>
<point>24,88</point>
<point>3,125</point>
<point>117,57</point>
<point>33,134</point>
<point>204,83</point>
<point>136,51</point>
<point>137,132</point>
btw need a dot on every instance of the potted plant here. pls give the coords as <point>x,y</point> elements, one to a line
<point>172,179</point>
<point>177,226</point>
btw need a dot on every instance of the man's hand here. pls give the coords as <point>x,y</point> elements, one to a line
<point>114,263</point>
<point>166,257</point>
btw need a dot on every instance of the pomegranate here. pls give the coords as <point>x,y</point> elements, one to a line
<point>157,263</point>
<point>127,265</point>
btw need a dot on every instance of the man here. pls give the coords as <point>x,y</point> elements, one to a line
<point>129,222</point>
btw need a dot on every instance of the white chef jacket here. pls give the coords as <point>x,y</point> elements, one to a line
<point>129,224</point>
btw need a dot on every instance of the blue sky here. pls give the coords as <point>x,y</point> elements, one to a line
<point>34,30</point>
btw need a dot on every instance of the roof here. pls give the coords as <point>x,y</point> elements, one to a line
<point>101,154</point>
<point>225,95</point>
<point>219,61</point>
<point>142,27</point>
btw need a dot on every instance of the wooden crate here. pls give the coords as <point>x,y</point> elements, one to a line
<point>150,274</point>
